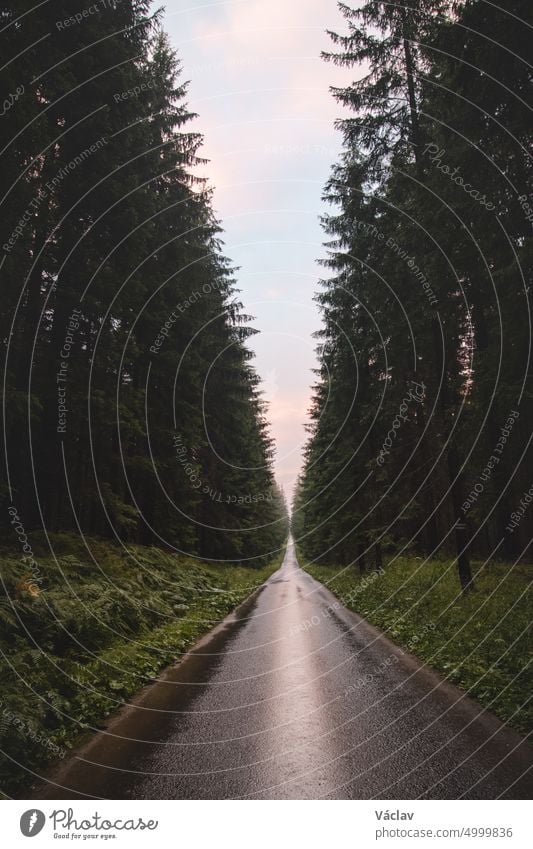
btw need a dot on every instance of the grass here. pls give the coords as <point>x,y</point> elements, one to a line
<point>77,644</point>
<point>481,641</point>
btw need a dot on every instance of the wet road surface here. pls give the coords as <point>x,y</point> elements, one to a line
<point>295,697</point>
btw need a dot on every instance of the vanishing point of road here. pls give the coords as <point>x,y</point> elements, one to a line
<point>295,697</point>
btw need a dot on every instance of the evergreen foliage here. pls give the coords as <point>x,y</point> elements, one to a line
<point>421,418</point>
<point>132,408</point>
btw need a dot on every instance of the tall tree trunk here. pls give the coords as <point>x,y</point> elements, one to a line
<point>461,528</point>
<point>378,559</point>
<point>455,474</point>
<point>361,556</point>
<point>411,91</point>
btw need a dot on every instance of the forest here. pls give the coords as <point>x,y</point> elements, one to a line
<point>420,434</point>
<point>132,410</point>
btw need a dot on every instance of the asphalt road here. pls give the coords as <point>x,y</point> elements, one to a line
<point>294,697</point>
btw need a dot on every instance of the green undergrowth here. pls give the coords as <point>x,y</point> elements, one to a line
<point>88,634</point>
<point>480,641</point>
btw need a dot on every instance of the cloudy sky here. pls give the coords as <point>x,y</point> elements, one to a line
<point>262,94</point>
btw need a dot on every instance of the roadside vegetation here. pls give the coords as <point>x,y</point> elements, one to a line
<point>93,633</point>
<point>480,641</point>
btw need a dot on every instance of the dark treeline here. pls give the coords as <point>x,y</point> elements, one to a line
<point>422,413</point>
<point>132,408</point>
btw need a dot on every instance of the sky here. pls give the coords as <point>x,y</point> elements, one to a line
<point>262,94</point>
